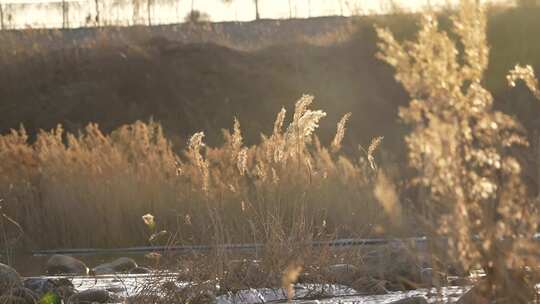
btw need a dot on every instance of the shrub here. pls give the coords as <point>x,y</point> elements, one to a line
<point>463,149</point>
<point>196,16</point>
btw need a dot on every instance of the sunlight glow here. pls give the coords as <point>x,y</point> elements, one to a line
<point>39,13</point>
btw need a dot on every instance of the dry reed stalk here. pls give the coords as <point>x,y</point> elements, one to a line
<point>230,193</point>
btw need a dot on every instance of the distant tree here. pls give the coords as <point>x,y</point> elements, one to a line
<point>98,21</point>
<point>65,14</point>
<point>196,16</point>
<point>149,10</point>
<point>1,16</point>
<point>194,13</point>
<point>290,9</point>
<point>257,16</point>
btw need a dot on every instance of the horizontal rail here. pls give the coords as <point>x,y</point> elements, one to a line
<point>235,247</point>
<point>227,247</point>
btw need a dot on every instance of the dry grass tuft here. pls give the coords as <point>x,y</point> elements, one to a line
<point>463,150</point>
<point>340,133</point>
<point>231,193</point>
<point>290,276</point>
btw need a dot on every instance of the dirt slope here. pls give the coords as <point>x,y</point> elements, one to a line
<point>202,86</point>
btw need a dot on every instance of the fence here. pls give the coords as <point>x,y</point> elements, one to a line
<point>19,14</point>
<point>341,243</point>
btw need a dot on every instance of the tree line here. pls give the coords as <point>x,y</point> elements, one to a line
<point>98,7</point>
<point>141,7</point>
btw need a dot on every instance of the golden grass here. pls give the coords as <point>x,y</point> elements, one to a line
<point>91,189</point>
<point>464,150</point>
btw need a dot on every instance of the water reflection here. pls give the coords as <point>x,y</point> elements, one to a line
<point>125,286</point>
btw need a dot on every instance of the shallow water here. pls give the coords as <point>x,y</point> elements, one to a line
<point>131,285</point>
<point>128,285</point>
<point>340,294</point>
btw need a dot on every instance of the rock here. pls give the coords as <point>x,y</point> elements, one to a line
<point>63,264</point>
<point>342,273</point>
<point>140,270</point>
<point>103,269</point>
<point>61,287</point>
<point>91,296</point>
<point>9,278</point>
<point>7,299</point>
<point>412,300</point>
<point>119,265</point>
<point>39,285</point>
<point>24,293</point>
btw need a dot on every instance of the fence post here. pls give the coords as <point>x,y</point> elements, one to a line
<point>148,8</point>
<point>1,16</point>
<point>96,2</point>
<point>65,14</point>
<point>290,10</point>
<point>257,15</point>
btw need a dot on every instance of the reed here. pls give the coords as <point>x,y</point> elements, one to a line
<point>91,189</point>
<point>464,151</point>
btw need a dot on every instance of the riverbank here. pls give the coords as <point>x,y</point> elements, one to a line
<point>244,278</point>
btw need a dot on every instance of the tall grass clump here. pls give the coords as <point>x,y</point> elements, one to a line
<point>464,150</point>
<point>91,189</point>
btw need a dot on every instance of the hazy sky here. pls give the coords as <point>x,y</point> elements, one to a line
<point>167,11</point>
<point>244,10</point>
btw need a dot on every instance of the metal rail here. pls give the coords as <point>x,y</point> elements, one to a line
<point>226,247</point>
<point>238,247</point>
